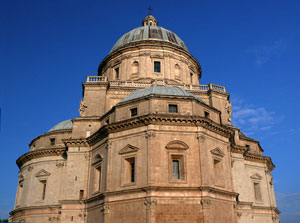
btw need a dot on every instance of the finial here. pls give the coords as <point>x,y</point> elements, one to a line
<point>149,9</point>
<point>149,20</point>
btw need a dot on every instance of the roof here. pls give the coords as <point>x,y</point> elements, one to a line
<point>64,125</point>
<point>159,90</point>
<point>149,33</point>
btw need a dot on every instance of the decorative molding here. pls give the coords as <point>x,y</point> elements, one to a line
<point>160,119</point>
<point>217,152</point>
<point>256,176</point>
<point>82,108</point>
<point>239,214</point>
<point>128,149</point>
<point>30,167</point>
<point>54,219</point>
<point>150,135</point>
<point>105,208</point>
<point>150,204</point>
<point>200,137</point>
<point>21,180</point>
<point>177,144</point>
<point>232,163</point>
<point>38,154</point>
<point>156,56</point>
<point>60,164</point>
<point>75,142</point>
<point>42,173</point>
<point>206,203</point>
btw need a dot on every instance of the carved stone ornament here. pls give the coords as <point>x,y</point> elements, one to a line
<point>29,168</point>
<point>178,145</point>
<point>217,152</point>
<point>150,204</point>
<point>54,218</point>
<point>21,180</point>
<point>205,203</point>
<point>128,149</point>
<point>105,208</point>
<point>150,135</point>
<point>59,164</point>
<point>108,145</point>
<point>256,176</point>
<point>82,108</point>
<point>201,137</point>
<point>228,107</point>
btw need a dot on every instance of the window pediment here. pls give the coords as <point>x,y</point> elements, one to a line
<point>217,152</point>
<point>42,173</point>
<point>176,144</point>
<point>128,149</point>
<point>256,176</point>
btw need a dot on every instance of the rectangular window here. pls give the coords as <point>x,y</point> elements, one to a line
<point>176,171</point>
<point>44,183</point>
<point>52,141</point>
<point>133,112</point>
<point>81,193</point>
<point>117,73</point>
<point>206,114</point>
<point>156,66</point>
<point>173,108</point>
<point>129,167</point>
<point>97,180</point>
<point>217,166</point>
<point>257,192</point>
<point>177,167</point>
<point>191,77</point>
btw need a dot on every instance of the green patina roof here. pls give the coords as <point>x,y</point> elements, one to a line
<point>159,90</point>
<point>64,125</point>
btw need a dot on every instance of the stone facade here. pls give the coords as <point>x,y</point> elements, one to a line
<point>158,157</point>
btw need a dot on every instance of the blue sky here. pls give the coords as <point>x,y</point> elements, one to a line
<point>47,48</point>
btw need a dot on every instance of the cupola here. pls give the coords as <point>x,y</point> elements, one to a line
<point>149,20</point>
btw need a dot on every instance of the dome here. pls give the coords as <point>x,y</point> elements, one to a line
<point>159,90</point>
<point>149,31</point>
<point>64,125</point>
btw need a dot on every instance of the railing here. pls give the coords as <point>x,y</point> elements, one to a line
<point>139,84</point>
<point>96,79</point>
<point>130,84</point>
<point>217,87</point>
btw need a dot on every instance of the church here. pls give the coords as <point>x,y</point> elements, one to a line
<point>150,145</point>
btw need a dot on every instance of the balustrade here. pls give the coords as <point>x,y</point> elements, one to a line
<point>139,84</point>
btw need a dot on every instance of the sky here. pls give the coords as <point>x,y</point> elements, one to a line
<point>49,47</point>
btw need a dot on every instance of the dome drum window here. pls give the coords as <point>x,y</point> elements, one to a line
<point>157,67</point>
<point>135,67</point>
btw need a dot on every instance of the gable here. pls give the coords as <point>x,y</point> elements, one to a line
<point>176,144</point>
<point>128,149</point>
<point>42,173</point>
<point>217,152</point>
<point>256,176</point>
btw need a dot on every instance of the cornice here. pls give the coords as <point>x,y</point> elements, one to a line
<point>139,45</point>
<point>253,157</point>
<point>260,159</point>
<point>54,132</point>
<point>75,142</point>
<point>159,119</point>
<point>34,208</point>
<point>88,118</point>
<point>39,153</point>
<point>252,206</point>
